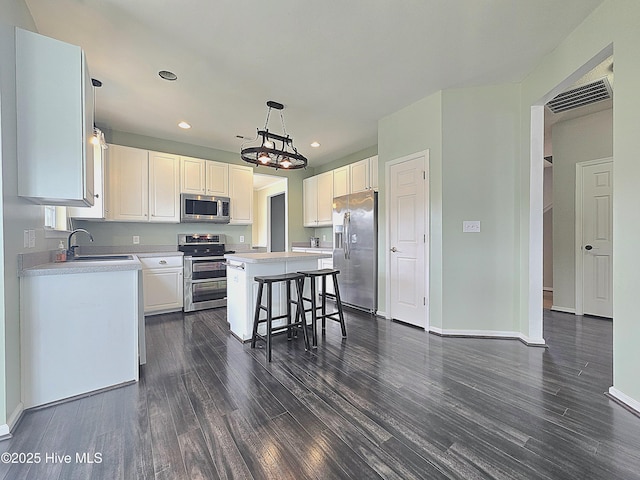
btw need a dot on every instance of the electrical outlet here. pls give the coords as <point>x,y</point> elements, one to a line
<point>324,238</point>
<point>136,239</point>
<point>26,239</point>
<point>471,226</point>
<point>241,238</point>
<point>32,238</point>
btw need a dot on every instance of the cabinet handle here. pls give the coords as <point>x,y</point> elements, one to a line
<point>163,262</point>
<point>97,195</point>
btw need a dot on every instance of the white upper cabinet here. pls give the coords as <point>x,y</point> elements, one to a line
<point>204,177</point>
<point>164,187</point>
<point>341,181</point>
<point>318,200</point>
<point>143,186</point>
<point>128,184</point>
<point>54,100</point>
<point>98,211</point>
<point>241,194</point>
<point>218,179</point>
<point>192,175</point>
<point>364,175</point>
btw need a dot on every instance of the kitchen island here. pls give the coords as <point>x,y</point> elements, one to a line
<point>242,290</point>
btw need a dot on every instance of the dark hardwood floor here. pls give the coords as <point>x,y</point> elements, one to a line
<point>389,401</point>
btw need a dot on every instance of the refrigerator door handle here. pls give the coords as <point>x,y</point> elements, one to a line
<point>347,236</point>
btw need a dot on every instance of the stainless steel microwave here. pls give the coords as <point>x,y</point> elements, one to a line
<point>204,208</point>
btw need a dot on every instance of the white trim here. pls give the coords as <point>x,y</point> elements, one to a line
<point>579,258</point>
<point>488,334</point>
<point>536,206</point>
<point>5,430</point>
<point>626,399</point>
<point>556,308</point>
<point>425,166</point>
<point>383,314</point>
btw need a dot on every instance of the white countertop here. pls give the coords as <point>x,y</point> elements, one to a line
<point>274,257</point>
<point>66,268</point>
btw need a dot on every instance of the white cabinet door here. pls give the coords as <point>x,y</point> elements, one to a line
<point>373,172</point>
<point>128,184</point>
<point>192,175</point>
<point>97,211</point>
<point>318,200</point>
<point>241,194</point>
<point>162,289</point>
<point>310,201</point>
<point>218,178</point>
<point>341,181</point>
<point>164,188</point>
<point>359,173</point>
<point>54,110</point>
<point>325,199</point>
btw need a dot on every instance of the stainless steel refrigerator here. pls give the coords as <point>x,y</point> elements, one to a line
<point>355,249</point>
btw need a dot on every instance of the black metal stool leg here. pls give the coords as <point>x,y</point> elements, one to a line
<point>269,319</point>
<point>256,317</point>
<point>300,313</point>
<point>339,305</point>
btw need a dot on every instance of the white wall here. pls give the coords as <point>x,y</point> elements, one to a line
<point>615,23</point>
<point>480,145</point>
<point>584,138</point>
<point>17,214</point>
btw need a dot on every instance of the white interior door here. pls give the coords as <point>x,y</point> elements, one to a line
<point>596,248</point>
<point>407,187</point>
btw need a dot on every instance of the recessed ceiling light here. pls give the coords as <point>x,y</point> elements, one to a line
<point>184,125</point>
<point>315,144</point>
<point>167,75</point>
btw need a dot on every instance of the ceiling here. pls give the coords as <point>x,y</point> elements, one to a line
<point>337,66</point>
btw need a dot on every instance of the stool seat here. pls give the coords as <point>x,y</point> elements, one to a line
<point>319,273</point>
<point>338,315</point>
<point>300,322</point>
<point>283,277</point>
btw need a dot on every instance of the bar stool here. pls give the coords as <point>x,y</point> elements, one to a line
<point>269,280</point>
<point>323,274</point>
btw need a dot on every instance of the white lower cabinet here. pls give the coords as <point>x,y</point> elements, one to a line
<point>162,284</point>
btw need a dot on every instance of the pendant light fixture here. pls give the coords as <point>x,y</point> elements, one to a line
<point>272,150</point>
<point>98,137</point>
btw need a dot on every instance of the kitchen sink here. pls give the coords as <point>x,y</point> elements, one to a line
<point>101,258</point>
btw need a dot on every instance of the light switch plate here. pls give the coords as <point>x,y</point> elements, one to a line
<point>32,238</point>
<point>241,238</point>
<point>471,226</point>
<point>26,239</point>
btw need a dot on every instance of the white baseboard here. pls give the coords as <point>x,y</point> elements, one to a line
<point>489,334</point>
<point>382,314</point>
<point>6,429</point>
<point>556,308</point>
<point>625,399</point>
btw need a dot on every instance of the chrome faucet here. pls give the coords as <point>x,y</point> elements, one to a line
<point>71,253</point>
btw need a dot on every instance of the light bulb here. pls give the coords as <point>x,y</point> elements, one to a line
<point>264,158</point>
<point>268,144</point>
<point>285,163</point>
<point>95,140</point>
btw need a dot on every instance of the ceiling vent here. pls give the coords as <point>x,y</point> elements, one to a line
<point>579,97</point>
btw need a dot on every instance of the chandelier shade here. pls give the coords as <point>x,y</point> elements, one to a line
<point>272,150</point>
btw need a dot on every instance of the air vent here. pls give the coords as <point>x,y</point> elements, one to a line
<point>579,97</point>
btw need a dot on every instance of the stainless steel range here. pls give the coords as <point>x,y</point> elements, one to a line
<point>205,273</point>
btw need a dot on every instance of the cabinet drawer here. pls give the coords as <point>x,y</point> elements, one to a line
<point>161,262</point>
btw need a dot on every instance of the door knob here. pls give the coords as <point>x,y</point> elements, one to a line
<point>588,247</point>
<point>394,249</point>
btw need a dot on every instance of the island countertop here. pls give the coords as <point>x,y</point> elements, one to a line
<point>274,257</point>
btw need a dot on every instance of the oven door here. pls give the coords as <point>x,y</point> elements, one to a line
<point>199,268</point>
<point>202,294</point>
